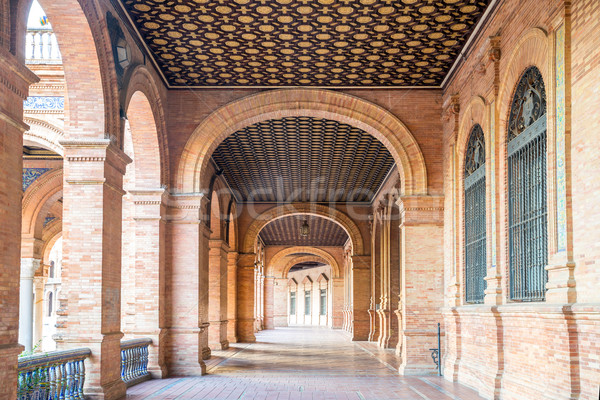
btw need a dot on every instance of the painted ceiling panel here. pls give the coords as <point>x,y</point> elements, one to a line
<point>305,43</point>
<point>303,159</point>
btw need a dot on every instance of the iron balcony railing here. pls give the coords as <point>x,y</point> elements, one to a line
<point>54,375</point>
<point>134,361</point>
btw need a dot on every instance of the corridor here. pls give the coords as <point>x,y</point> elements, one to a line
<point>301,363</point>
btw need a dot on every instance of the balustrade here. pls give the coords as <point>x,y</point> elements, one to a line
<point>54,375</point>
<point>134,361</point>
<point>41,47</point>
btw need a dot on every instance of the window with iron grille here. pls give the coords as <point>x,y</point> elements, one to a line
<point>475,222</point>
<point>527,208</point>
<point>292,303</point>
<point>307,302</point>
<point>323,303</point>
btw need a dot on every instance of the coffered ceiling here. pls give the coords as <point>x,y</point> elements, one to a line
<point>286,232</point>
<point>303,159</point>
<point>330,43</point>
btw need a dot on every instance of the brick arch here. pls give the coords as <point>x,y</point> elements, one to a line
<point>317,103</point>
<point>82,34</point>
<point>298,260</point>
<point>52,233</point>
<point>233,227</point>
<point>37,201</point>
<point>44,134</point>
<point>275,268</point>
<point>532,49</point>
<point>215,216</point>
<point>474,113</point>
<point>146,116</point>
<point>303,209</point>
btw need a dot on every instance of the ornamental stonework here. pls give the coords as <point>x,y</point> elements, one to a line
<point>305,43</point>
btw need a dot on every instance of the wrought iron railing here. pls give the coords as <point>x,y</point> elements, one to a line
<point>134,361</point>
<point>54,375</point>
<point>41,47</point>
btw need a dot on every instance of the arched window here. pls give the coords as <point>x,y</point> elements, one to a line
<point>527,209</point>
<point>475,222</point>
<point>50,304</point>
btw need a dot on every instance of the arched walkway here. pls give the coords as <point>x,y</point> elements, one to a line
<point>303,209</point>
<point>192,176</point>
<point>277,269</point>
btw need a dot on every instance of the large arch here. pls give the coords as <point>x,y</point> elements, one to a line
<point>317,103</point>
<point>275,268</point>
<point>86,46</point>
<point>303,209</point>
<point>38,199</point>
<point>44,134</point>
<point>146,116</point>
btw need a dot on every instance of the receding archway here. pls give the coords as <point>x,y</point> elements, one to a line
<point>277,269</point>
<point>319,210</point>
<point>192,173</point>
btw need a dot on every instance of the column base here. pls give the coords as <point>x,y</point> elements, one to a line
<point>417,369</point>
<point>223,345</point>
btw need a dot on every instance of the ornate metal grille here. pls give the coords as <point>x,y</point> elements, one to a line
<point>528,236</point>
<point>475,214</point>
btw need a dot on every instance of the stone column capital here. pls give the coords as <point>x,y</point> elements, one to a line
<point>421,210</point>
<point>246,260</point>
<point>29,266</point>
<point>186,208</point>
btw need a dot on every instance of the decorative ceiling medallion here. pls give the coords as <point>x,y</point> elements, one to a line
<point>303,159</point>
<point>286,232</point>
<point>305,43</point>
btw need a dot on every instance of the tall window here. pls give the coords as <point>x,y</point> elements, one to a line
<point>323,302</point>
<point>51,270</point>
<point>292,303</point>
<point>528,236</point>
<point>307,302</point>
<point>475,223</point>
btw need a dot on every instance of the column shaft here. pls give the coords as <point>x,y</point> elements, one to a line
<point>360,296</point>
<point>90,303</point>
<point>14,87</point>
<point>217,295</point>
<point>187,286</point>
<point>245,297</point>
<point>232,297</point>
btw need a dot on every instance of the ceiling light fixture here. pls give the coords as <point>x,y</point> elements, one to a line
<point>304,229</point>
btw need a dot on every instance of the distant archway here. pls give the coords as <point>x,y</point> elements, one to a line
<point>277,269</point>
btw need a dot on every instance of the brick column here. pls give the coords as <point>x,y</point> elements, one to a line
<point>149,275</point>
<point>269,302</point>
<point>422,291</point>
<point>89,314</point>
<point>29,266</point>
<point>245,297</point>
<point>337,298</point>
<point>38,309</point>
<point>15,79</point>
<point>279,300</point>
<point>187,285</point>
<point>217,294</point>
<point>232,258</point>
<point>361,276</point>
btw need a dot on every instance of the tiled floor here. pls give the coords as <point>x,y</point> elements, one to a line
<point>302,363</point>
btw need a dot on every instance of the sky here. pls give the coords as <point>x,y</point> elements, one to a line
<point>35,14</point>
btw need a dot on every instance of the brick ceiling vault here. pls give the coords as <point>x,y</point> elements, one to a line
<point>286,232</point>
<point>286,43</point>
